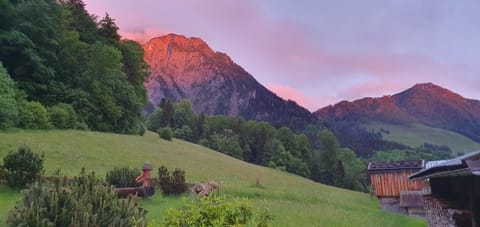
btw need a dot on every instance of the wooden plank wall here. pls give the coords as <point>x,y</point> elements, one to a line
<point>389,184</point>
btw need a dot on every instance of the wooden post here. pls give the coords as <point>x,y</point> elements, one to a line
<point>473,198</point>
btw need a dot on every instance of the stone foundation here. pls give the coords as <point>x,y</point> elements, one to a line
<point>441,213</point>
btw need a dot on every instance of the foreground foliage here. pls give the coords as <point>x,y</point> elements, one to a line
<point>217,211</point>
<point>292,200</point>
<point>83,201</point>
<point>123,177</point>
<point>21,167</point>
<point>171,183</point>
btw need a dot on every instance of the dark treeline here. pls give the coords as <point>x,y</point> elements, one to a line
<point>65,62</point>
<point>261,143</point>
<point>364,142</point>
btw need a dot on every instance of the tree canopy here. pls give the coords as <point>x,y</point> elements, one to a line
<point>56,52</point>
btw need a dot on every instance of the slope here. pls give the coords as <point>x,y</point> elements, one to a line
<point>293,201</point>
<point>415,135</point>
<point>425,104</point>
<point>187,68</point>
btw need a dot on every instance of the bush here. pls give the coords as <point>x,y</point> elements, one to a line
<point>165,133</point>
<point>216,211</point>
<point>33,115</point>
<point>171,183</point>
<point>22,167</point>
<point>62,116</point>
<point>142,130</point>
<point>83,201</point>
<point>123,177</point>
<point>184,133</point>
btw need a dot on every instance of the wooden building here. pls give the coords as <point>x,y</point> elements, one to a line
<point>452,197</point>
<point>390,183</point>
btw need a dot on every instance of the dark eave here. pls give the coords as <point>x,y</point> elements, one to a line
<point>465,165</point>
<point>395,165</point>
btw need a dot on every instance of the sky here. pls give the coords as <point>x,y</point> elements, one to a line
<point>318,52</point>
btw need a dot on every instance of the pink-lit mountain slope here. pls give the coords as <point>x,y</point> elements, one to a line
<point>187,68</point>
<point>426,104</point>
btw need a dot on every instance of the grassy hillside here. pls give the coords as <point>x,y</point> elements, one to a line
<point>417,134</point>
<point>293,200</point>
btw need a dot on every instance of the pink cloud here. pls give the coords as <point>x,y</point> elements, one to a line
<point>333,60</point>
<point>289,93</point>
<point>142,36</point>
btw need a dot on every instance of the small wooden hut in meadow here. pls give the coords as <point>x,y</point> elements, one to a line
<point>452,197</point>
<point>391,185</point>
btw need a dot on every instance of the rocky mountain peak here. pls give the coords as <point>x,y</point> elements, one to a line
<point>187,68</point>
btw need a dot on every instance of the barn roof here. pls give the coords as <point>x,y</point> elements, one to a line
<point>468,164</point>
<point>395,165</point>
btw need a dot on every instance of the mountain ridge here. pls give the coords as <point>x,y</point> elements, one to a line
<point>187,68</point>
<point>424,103</point>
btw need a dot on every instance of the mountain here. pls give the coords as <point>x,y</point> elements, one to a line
<point>187,68</point>
<point>427,104</point>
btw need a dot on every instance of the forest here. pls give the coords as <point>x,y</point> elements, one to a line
<point>61,63</point>
<point>320,159</point>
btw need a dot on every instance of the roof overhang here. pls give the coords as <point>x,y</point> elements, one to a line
<point>465,165</point>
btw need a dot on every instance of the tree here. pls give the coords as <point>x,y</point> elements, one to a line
<point>82,21</point>
<point>109,30</point>
<point>354,170</point>
<point>33,115</point>
<point>227,143</point>
<point>154,120</point>
<point>168,110</point>
<point>8,110</point>
<point>183,114</point>
<point>184,133</point>
<point>62,116</point>
<point>328,157</point>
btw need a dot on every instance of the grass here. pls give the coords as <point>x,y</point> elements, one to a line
<point>292,200</point>
<point>415,135</point>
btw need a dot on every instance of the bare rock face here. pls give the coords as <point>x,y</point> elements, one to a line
<point>187,68</point>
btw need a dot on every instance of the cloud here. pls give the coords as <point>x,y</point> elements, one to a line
<point>316,52</point>
<point>142,36</point>
<point>311,103</point>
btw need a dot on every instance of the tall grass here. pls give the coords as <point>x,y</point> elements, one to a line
<point>292,200</point>
<point>415,135</point>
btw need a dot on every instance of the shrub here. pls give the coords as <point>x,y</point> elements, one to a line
<point>83,201</point>
<point>142,130</point>
<point>171,183</point>
<point>62,116</point>
<point>216,211</point>
<point>165,133</point>
<point>22,167</point>
<point>33,115</point>
<point>123,177</point>
<point>184,133</point>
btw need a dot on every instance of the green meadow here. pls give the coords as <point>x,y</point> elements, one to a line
<point>415,135</point>
<point>292,200</point>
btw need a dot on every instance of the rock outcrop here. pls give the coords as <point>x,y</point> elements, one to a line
<point>187,68</point>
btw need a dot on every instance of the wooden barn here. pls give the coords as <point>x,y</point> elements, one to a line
<point>452,197</point>
<point>391,185</point>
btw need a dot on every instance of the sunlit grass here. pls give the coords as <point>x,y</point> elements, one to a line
<point>292,200</point>
<point>415,135</point>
